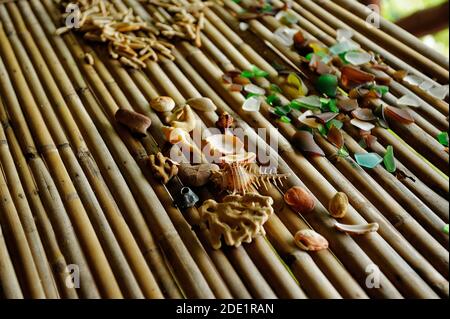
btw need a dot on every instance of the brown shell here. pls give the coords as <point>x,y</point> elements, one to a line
<point>299,199</point>
<point>309,240</point>
<point>338,205</point>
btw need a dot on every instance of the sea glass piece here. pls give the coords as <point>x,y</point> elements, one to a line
<point>344,46</point>
<point>380,89</point>
<point>365,126</point>
<point>327,84</point>
<point>400,115</point>
<point>304,140</point>
<point>308,119</point>
<point>252,104</point>
<point>389,160</point>
<point>312,101</point>
<point>426,85</point>
<point>335,137</point>
<point>351,76</point>
<point>296,81</point>
<point>445,229</point>
<point>273,100</point>
<point>285,35</point>
<point>358,58</point>
<point>335,123</point>
<point>413,79</point>
<point>443,138</point>
<point>343,34</point>
<point>325,117</point>
<point>252,88</point>
<point>347,105</point>
<point>364,114</point>
<point>408,100</point>
<point>285,119</point>
<point>282,110</point>
<point>299,39</point>
<point>368,160</point>
<point>342,152</point>
<point>439,92</point>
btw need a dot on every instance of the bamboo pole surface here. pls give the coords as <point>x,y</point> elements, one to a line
<point>87,179</point>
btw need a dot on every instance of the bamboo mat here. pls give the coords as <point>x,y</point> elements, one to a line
<point>77,195</point>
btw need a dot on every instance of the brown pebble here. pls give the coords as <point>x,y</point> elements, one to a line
<point>137,123</point>
<point>338,205</point>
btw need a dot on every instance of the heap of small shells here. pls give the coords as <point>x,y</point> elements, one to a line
<point>130,39</point>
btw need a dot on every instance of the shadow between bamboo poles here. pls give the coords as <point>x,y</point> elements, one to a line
<point>327,263</point>
<point>395,31</point>
<point>124,235</point>
<point>215,79</point>
<point>121,193</point>
<point>119,264</point>
<point>27,219</point>
<point>169,239</point>
<point>327,35</point>
<point>221,63</point>
<point>319,11</point>
<point>225,45</point>
<point>318,20</point>
<point>428,171</point>
<point>10,284</point>
<point>55,256</point>
<point>72,201</point>
<point>393,45</point>
<point>426,144</point>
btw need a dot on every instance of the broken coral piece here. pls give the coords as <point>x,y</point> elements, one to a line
<point>238,219</point>
<point>163,167</point>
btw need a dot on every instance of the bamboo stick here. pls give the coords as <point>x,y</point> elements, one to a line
<point>74,204</point>
<point>10,284</point>
<point>118,262</point>
<point>27,220</point>
<point>55,256</point>
<point>23,257</point>
<point>121,193</point>
<point>395,31</point>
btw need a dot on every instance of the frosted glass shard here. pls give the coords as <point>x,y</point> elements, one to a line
<point>408,100</point>
<point>252,104</point>
<point>343,34</point>
<point>285,35</point>
<point>368,160</point>
<point>439,92</point>
<point>365,126</point>
<point>252,88</point>
<point>358,58</point>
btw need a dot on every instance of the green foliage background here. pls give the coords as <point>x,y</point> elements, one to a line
<point>396,9</point>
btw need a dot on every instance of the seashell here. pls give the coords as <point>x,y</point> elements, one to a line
<point>175,135</point>
<point>239,158</point>
<point>225,144</point>
<point>162,104</point>
<point>163,167</point>
<point>225,121</point>
<point>136,122</point>
<point>309,240</point>
<point>300,199</point>
<point>238,176</point>
<point>357,229</point>
<point>186,198</point>
<point>202,104</point>
<point>238,219</point>
<point>183,118</point>
<point>196,175</point>
<point>338,205</point>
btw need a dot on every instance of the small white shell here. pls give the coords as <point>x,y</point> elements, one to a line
<point>202,104</point>
<point>162,104</point>
<point>357,229</point>
<point>225,144</point>
<point>309,240</point>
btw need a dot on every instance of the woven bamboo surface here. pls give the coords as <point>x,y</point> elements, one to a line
<point>76,188</point>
